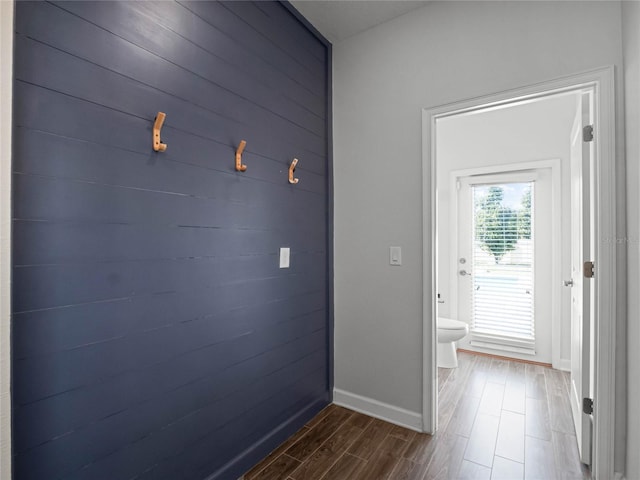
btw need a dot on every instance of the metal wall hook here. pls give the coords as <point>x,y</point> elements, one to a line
<point>158,146</point>
<point>292,169</point>
<point>239,166</point>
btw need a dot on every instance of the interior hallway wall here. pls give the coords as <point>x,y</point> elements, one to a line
<point>154,335</point>
<point>442,53</point>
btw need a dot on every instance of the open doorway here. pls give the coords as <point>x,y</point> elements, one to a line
<point>502,195</point>
<point>474,174</point>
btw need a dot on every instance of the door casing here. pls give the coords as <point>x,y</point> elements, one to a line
<point>604,207</point>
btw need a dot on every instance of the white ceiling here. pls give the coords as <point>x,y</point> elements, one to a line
<point>340,19</point>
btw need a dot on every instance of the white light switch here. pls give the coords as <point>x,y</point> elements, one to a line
<point>284,257</point>
<point>395,256</point>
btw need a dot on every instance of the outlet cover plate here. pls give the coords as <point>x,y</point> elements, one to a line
<point>285,253</point>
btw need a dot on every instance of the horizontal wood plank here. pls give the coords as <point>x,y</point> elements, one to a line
<point>84,366</point>
<point>219,16</point>
<point>113,90</point>
<point>72,410</point>
<point>55,330</point>
<point>58,200</point>
<point>187,172</point>
<point>306,50</point>
<point>155,336</point>
<point>106,438</point>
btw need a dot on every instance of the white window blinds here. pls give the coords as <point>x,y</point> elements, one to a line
<point>502,266</point>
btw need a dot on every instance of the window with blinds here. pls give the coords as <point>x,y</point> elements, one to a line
<point>502,267</point>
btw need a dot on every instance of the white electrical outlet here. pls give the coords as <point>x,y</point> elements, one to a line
<point>285,253</point>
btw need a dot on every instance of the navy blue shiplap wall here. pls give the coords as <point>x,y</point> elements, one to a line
<point>154,335</point>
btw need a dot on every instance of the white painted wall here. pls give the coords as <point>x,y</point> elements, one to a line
<point>631,48</point>
<point>6,81</point>
<point>442,53</point>
<point>524,133</point>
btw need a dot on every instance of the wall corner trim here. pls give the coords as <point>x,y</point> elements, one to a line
<point>302,19</point>
<point>6,116</point>
<point>374,408</point>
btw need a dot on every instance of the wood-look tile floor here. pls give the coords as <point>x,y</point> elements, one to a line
<point>497,420</point>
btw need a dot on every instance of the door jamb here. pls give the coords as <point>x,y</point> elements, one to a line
<point>602,82</point>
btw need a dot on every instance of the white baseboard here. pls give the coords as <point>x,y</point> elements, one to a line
<point>374,408</point>
<point>564,364</point>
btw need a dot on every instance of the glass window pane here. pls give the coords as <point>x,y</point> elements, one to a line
<point>502,273</point>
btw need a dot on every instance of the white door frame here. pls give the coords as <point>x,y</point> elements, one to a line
<point>602,81</point>
<point>554,165</point>
<point>6,84</point>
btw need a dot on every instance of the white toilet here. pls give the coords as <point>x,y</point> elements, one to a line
<point>449,332</point>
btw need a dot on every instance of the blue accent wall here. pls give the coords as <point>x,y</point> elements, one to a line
<point>154,336</point>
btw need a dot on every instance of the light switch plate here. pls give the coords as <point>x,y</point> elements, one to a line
<point>285,253</point>
<point>395,256</point>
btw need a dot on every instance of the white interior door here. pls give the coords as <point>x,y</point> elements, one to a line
<point>581,286</point>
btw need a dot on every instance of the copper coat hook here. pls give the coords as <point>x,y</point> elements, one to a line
<point>158,146</point>
<point>292,168</point>
<point>239,166</point>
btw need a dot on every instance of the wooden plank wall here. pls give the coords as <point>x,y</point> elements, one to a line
<point>154,335</point>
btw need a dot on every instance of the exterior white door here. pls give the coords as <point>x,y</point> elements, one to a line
<point>581,286</point>
<point>504,267</point>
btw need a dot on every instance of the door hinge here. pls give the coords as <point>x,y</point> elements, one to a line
<point>587,406</point>
<point>588,269</point>
<point>587,133</point>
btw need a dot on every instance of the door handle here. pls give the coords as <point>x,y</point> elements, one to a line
<point>464,272</point>
<point>568,283</point>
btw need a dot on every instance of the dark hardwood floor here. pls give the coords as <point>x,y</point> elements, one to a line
<point>497,420</point>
